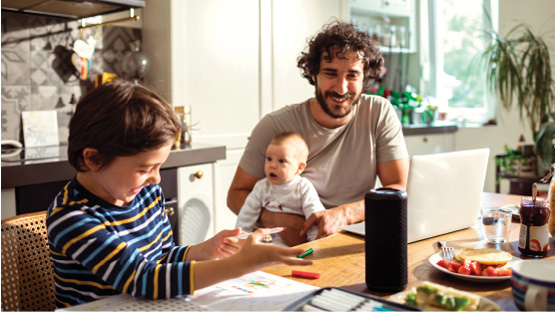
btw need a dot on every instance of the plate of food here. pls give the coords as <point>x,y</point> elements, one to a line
<point>515,209</point>
<point>477,264</point>
<point>425,295</point>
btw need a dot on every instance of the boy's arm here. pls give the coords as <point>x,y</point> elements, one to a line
<point>253,256</point>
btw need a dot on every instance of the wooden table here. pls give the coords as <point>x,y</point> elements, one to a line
<point>340,260</point>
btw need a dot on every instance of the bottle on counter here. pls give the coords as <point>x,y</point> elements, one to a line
<point>184,114</point>
<point>534,233</point>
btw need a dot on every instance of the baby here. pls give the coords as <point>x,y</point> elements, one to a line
<point>283,189</point>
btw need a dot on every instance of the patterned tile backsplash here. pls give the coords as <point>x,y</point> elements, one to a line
<point>37,72</point>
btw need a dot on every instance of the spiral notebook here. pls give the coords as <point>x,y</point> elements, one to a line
<point>444,191</point>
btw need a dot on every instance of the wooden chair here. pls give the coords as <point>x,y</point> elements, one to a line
<point>27,271</point>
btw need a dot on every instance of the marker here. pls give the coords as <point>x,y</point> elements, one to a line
<point>306,253</point>
<point>305,274</point>
<point>272,231</point>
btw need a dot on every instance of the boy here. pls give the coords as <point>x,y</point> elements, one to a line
<point>107,229</point>
<point>283,189</point>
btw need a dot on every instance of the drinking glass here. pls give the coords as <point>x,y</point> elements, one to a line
<point>496,224</point>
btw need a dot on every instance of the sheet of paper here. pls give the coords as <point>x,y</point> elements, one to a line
<point>257,291</point>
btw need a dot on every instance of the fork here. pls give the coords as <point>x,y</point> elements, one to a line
<point>447,253</point>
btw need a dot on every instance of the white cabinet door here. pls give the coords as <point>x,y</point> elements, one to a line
<point>195,197</point>
<point>224,171</point>
<point>430,143</point>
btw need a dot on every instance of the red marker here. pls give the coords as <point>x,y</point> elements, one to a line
<point>305,274</point>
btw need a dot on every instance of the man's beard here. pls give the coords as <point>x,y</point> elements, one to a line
<point>322,101</point>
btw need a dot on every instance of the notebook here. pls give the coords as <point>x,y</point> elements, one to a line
<point>444,191</point>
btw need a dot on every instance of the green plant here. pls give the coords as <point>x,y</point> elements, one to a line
<point>518,69</point>
<point>544,142</point>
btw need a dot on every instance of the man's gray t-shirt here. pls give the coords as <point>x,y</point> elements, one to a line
<point>342,162</point>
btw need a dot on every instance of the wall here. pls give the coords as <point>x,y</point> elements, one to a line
<point>539,14</point>
<point>37,73</point>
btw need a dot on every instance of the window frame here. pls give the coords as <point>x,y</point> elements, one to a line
<point>431,60</point>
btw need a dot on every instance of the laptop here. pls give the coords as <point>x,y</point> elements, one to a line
<point>444,191</point>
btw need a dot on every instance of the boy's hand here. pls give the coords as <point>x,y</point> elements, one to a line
<point>223,245</point>
<point>255,255</point>
<point>293,224</point>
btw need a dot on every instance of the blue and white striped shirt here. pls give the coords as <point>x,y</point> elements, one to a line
<point>99,249</point>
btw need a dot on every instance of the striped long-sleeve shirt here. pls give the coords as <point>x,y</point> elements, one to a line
<point>99,249</point>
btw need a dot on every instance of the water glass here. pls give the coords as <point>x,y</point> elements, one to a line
<point>496,224</point>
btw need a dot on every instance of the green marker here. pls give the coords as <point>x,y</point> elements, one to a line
<point>306,253</point>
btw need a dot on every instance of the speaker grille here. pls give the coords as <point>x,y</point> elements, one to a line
<point>386,240</point>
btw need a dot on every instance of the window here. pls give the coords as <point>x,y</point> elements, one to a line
<point>454,35</point>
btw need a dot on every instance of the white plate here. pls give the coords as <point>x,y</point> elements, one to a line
<point>484,305</point>
<point>436,257</point>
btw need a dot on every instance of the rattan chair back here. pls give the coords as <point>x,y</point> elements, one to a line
<point>27,271</point>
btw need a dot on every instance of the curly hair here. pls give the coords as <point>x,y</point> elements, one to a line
<point>346,38</point>
<point>120,119</point>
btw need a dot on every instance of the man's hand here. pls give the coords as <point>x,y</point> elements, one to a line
<point>292,223</point>
<point>330,220</point>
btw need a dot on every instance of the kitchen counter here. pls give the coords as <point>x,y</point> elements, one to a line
<point>434,128</point>
<point>32,166</point>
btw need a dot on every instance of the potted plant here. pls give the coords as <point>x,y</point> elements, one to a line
<point>518,69</point>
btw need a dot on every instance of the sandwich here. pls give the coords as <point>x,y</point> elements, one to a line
<point>431,296</point>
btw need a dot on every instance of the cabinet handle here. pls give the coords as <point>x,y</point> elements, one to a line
<point>425,139</point>
<point>198,174</point>
<point>169,211</point>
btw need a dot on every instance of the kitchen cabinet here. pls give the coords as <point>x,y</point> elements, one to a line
<point>391,22</point>
<point>224,171</point>
<point>195,203</point>
<point>390,7</point>
<point>430,143</point>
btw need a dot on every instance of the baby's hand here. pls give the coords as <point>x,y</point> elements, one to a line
<point>225,245</point>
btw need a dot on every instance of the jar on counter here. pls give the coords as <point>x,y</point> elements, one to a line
<point>534,233</point>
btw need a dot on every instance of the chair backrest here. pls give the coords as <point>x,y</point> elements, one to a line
<point>27,271</point>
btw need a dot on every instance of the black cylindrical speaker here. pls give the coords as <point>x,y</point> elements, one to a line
<point>386,239</point>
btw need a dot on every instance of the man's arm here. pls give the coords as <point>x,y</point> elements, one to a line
<point>241,186</point>
<point>392,174</point>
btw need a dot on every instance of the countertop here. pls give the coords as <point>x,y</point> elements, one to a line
<point>434,128</point>
<point>49,164</point>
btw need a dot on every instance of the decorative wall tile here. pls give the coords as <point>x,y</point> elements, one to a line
<point>15,99</point>
<point>116,46</point>
<point>15,50</point>
<point>36,67</point>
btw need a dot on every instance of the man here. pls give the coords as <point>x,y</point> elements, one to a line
<point>352,138</point>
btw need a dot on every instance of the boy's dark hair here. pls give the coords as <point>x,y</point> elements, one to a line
<point>120,118</point>
<point>346,37</point>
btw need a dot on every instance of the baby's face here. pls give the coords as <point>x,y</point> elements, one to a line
<point>281,164</point>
